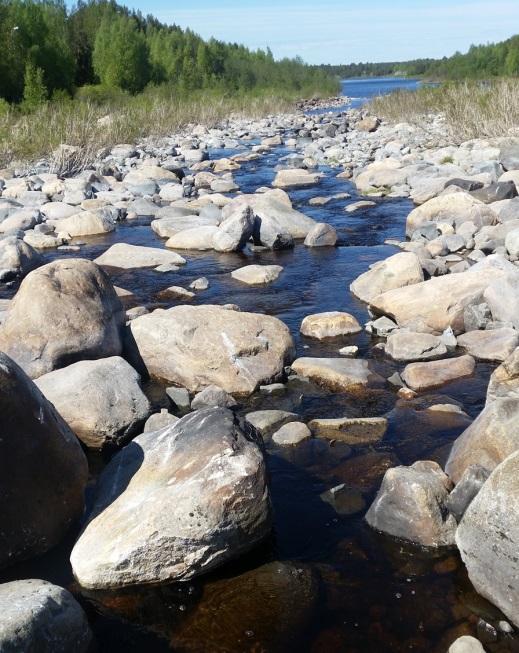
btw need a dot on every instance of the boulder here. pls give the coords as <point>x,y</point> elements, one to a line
<point>197,346</point>
<point>466,644</point>
<point>17,258</point>
<point>235,231</point>
<point>488,539</point>
<point>200,238</point>
<point>159,421</point>
<point>63,312</point>
<point>501,297</point>
<point>42,618</point>
<point>86,223</point>
<point>407,346</point>
<point>321,235</point>
<point>128,257</point>
<point>453,208</point>
<point>265,422</point>
<point>410,505</point>
<point>466,489</point>
<point>492,345</point>
<point>329,325</point>
<point>433,374</point>
<point>291,433</point>
<point>381,174</point>
<point>490,438</point>
<point>295,177</point>
<point>257,275</point>
<point>43,471</point>
<point>58,210</point>
<point>368,124</point>
<point>397,271</point>
<point>337,374</point>
<point>213,397</point>
<point>175,504</point>
<point>504,380</point>
<point>100,400</point>
<point>21,220</point>
<point>440,302</point>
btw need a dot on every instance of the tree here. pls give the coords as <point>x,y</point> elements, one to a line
<point>34,90</point>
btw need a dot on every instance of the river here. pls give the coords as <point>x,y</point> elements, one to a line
<point>323,583</point>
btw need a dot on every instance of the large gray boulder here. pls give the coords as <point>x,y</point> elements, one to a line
<point>197,346</point>
<point>64,311</point>
<point>410,505</point>
<point>100,400</point>
<point>175,504</point>
<point>234,232</point>
<point>38,617</point>
<point>491,437</point>
<point>43,471</point>
<point>438,303</point>
<point>488,538</point>
<point>17,258</point>
<point>397,271</point>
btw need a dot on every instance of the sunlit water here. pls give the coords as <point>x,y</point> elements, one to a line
<point>341,587</point>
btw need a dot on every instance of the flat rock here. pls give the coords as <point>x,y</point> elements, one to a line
<point>127,257</point>
<point>199,238</point>
<point>175,504</point>
<point>255,275</point>
<point>100,400</point>
<point>329,325</point>
<point>407,346</point>
<point>337,374</point>
<point>295,177</point>
<point>291,433</point>
<point>159,421</point>
<point>356,430</point>
<point>197,346</point>
<point>492,345</point>
<point>433,374</point>
<point>86,223</point>
<point>39,616</point>
<point>265,422</point>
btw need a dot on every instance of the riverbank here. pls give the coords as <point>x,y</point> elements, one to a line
<point>249,233</point>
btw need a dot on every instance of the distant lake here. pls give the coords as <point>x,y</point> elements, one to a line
<point>361,90</point>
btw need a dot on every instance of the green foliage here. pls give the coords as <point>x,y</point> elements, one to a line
<point>34,90</point>
<point>98,42</point>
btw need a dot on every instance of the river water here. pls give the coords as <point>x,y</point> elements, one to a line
<point>323,583</point>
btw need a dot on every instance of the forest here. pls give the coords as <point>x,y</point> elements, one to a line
<point>50,52</point>
<point>480,62</point>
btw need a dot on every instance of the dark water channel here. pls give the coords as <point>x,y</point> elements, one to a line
<point>323,583</point>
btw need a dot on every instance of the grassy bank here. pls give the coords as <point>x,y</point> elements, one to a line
<point>98,121</point>
<point>471,109</point>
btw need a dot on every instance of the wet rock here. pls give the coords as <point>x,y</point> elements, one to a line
<point>322,235</point>
<point>291,433</point>
<point>127,257</point>
<point>212,397</point>
<point>381,327</point>
<point>200,284</point>
<point>493,345</point>
<point>337,374</point>
<point>349,352</point>
<point>344,500</point>
<point>169,226</point>
<point>329,325</point>
<point>64,311</point>
<point>39,616</point>
<point>17,258</point>
<point>100,400</point>
<point>175,504</point>
<point>41,465</point>
<point>466,644</point>
<point>178,293</point>
<point>488,537</point>
<point>235,231</point>
<point>295,178</point>
<point>454,208</point>
<point>356,430</point>
<point>411,505</point>
<point>487,441</point>
<point>466,489</point>
<point>408,346</point>
<point>199,238</point>
<point>504,381</point>
<point>159,421</point>
<point>197,346</point>
<point>359,206</point>
<point>265,422</point>
<point>256,275</point>
<point>440,302</point>
<point>426,376</point>
<point>400,270</point>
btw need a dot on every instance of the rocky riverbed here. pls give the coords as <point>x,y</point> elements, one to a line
<point>259,392</point>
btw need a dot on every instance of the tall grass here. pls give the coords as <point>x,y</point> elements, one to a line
<point>98,121</point>
<point>471,109</point>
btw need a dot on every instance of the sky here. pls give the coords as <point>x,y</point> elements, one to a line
<point>345,31</point>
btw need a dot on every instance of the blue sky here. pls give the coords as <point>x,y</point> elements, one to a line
<point>343,31</point>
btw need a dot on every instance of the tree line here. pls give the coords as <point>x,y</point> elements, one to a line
<point>49,51</point>
<point>480,62</point>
